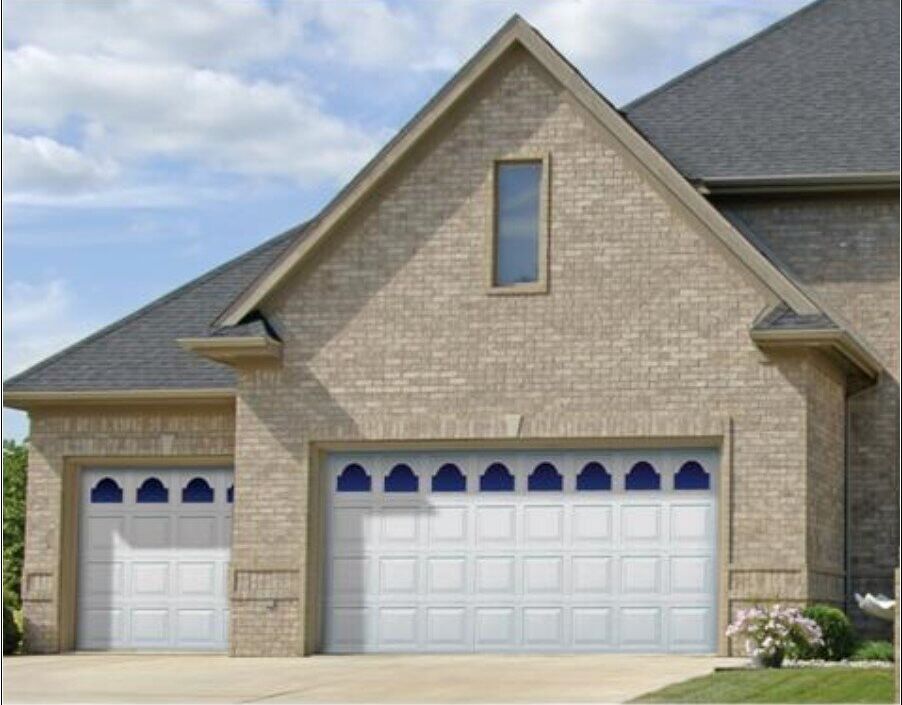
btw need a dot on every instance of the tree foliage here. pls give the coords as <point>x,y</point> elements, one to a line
<point>15,461</point>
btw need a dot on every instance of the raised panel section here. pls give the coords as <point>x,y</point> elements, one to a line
<point>690,627</point>
<point>151,578</point>
<point>447,576</point>
<point>448,526</point>
<point>640,575</point>
<point>447,627</point>
<point>640,524</point>
<point>592,627</point>
<point>640,627</point>
<point>543,525</point>
<point>543,626</point>
<point>495,574</point>
<point>398,627</point>
<point>496,525</point>
<point>592,574</point>
<point>398,576</point>
<point>543,575</point>
<point>592,523</point>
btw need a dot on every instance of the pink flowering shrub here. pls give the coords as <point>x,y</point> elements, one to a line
<point>770,632</point>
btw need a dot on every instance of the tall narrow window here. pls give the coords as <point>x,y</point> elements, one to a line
<point>518,246</point>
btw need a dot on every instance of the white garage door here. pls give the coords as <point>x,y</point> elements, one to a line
<point>521,551</point>
<point>153,559</point>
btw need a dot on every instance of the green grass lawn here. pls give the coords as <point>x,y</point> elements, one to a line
<point>807,685</point>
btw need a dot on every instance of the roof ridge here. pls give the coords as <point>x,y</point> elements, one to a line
<point>719,56</point>
<point>159,301</point>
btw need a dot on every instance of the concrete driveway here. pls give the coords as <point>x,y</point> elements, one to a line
<point>160,678</point>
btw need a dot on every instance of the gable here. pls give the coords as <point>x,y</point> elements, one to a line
<point>518,33</point>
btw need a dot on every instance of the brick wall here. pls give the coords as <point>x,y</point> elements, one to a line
<point>846,247</point>
<point>390,335</point>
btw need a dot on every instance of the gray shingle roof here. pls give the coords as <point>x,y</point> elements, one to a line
<point>817,93</point>
<point>781,317</point>
<point>140,351</point>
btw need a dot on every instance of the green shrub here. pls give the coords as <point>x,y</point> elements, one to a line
<point>15,462</point>
<point>11,634</point>
<point>874,651</point>
<point>838,634</point>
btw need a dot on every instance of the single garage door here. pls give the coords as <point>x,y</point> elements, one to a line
<point>153,558</point>
<point>613,550</point>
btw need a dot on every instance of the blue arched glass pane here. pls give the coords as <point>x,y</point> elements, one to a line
<point>449,478</point>
<point>692,476</point>
<point>106,492</point>
<point>545,478</point>
<point>593,477</point>
<point>152,491</point>
<point>643,477</point>
<point>401,479</point>
<point>197,491</point>
<point>230,494</point>
<point>496,478</point>
<point>353,479</point>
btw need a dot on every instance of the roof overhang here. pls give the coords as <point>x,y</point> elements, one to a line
<point>799,183</point>
<point>103,397</point>
<point>235,350</point>
<point>835,342</point>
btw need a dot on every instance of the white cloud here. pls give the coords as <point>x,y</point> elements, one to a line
<point>199,32</point>
<point>136,109</point>
<point>40,164</point>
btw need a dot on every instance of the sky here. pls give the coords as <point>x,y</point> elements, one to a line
<point>147,141</point>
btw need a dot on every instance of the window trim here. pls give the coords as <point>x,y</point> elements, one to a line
<point>540,286</point>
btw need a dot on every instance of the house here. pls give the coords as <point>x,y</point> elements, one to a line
<point>545,376</point>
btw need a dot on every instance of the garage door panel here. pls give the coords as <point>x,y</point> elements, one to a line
<point>496,526</point>
<point>447,628</point>
<point>556,564</point>
<point>153,569</point>
<point>449,526</point>
<point>592,627</point>
<point>690,627</point>
<point>104,577</point>
<point>150,532</point>
<point>150,578</point>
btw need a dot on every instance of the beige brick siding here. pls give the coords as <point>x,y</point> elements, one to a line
<point>846,247</point>
<point>60,440</point>
<point>390,335</point>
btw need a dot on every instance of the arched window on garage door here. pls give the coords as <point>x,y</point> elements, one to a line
<point>353,479</point>
<point>593,477</point>
<point>545,478</point>
<point>643,476</point>
<point>107,491</point>
<point>496,478</point>
<point>152,491</point>
<point>401,479</point>
<point>692,476</point>
<point>449,478</point>
<point>198,491</point>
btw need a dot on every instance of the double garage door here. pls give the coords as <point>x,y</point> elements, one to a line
<point>611,550</point>
<point>153,559</point>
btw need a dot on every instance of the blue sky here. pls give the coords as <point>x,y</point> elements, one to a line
<point>146,141</point>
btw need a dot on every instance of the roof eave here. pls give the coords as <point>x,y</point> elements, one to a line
<point>26,400</point>
<point>799,183</point>
<point>235,350</point>
<point>833,339</point>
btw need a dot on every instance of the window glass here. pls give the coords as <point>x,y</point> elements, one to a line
<point>496,478</point>
<point>517,204</point>
<point>152,491</point>
<point>545,478</point>
<point>692,476</point>
<point>197,491</point>
<point>401,479</point>
<point>643,477</point>
<point>353,479</point>
<point>593,477</point>
<point>106,492</point>
<point>449,478</point>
